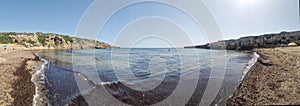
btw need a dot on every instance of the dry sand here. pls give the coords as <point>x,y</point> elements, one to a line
<point>273,80</point>
<point>16,68</point>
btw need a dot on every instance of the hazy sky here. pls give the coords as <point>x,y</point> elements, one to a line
<point>236,18</point>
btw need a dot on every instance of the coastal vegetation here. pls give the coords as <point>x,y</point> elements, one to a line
<point>31,42</point>
<point>5,39</point>
<point>41,40</point>
<point>251,42</point>
<point>68,38</point>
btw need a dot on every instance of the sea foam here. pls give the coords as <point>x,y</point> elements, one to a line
<point>39,79</point>
<point>251,62</point>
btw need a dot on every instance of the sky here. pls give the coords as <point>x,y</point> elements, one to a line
<point>236,18</point>
<point>57,16</point>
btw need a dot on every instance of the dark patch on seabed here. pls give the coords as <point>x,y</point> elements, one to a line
<point>63,87</point>
<point>61,84</point>
<point>138,98</point>
<point>144,98</point>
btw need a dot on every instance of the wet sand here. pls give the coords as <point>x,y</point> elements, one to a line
<point>273,80</point>
<point>128,96</point>
<point>16,68</point>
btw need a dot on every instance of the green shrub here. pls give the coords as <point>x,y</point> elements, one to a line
<point>11,33</point>
<point>42,39</point>
<point>31,42</point>
<point>5,39</point>
<point>57,42</point>
<point>67,38</point>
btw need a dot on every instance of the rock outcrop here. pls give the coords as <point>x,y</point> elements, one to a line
<point>35,41</point>
<point>251,42</point>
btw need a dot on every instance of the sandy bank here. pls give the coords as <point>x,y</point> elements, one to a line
<point>16,68</point>
<point>273,80</point>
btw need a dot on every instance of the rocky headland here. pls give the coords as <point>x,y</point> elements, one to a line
<point>39,41</point>
<point>251,42</point>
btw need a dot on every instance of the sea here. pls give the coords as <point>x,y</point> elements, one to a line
<point>139,76</point>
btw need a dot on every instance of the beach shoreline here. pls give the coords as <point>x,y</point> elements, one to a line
<point>270,81</point>
<point>273,80</point>
<point>17,68</point>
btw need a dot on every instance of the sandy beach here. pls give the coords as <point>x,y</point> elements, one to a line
<point>16,68</point>
<point>273,80</point>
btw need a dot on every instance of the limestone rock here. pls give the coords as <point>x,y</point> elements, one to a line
<point>54,41</point>
<point>251,42</point>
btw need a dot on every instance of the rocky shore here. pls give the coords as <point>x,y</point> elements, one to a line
<point>16,68</point>
<point>273,80</point>
<point>39,41</point>
<point>251,42</point>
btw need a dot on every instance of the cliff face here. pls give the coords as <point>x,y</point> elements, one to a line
<point>248,43</point>
<point>51,41</point>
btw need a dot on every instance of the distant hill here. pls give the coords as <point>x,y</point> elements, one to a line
<point>40,40</point>
<point>251,42</point>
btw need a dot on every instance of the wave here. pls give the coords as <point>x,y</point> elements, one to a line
<point>249,65</point>
<point>84,78</point>
<point>39,79</point>
<point>251,62</point>
<point>110,83</point>
<point>89,81</point>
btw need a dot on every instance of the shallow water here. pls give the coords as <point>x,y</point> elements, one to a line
<point>144,76</point>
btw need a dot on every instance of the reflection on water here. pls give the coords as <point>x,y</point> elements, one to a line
<point>127,74</point>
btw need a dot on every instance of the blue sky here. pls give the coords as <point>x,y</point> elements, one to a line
<point>236,18</point>
<point>59,16</point>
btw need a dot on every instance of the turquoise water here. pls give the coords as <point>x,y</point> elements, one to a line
<point>154,74</point>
